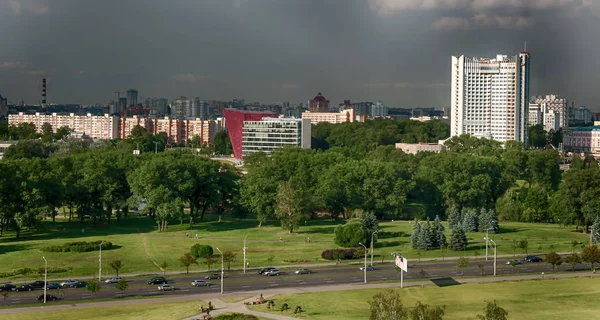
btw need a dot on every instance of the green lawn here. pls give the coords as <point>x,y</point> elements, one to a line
<point>535,299</point>
<point>159,311</point>
<point>133,235</point>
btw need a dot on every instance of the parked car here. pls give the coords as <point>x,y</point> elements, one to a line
<point>303,271</point>
<point>49,297</point>
<point>157,280</point>
<point>24,287</point>
<point>113,280</point>
<point>53,286</point>
<point>200,283</point>
<point>213,276</point>
<point>514,261</point>
<point>38,284</point>
<point>272,272</point>
<point>79,284</point>
<point>68,283</point>
<point>7,287</point>
<point>263,270</point>
<point>533,259</point>
<point>369,268</point>
<point>166,287</point>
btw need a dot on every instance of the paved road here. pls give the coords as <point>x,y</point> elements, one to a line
<point>238,282</point>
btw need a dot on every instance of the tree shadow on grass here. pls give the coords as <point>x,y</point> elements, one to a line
<point>508,230</point>
<point>6,248</point>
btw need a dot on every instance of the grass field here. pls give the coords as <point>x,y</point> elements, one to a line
<point>138,244</point>
<point>525,300</point>
<point>158,311</point>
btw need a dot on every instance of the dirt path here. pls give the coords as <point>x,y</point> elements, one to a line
<point>148,254</point>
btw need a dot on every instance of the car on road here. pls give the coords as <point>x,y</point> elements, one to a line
<point>263,270</point>
<point>38,284</point>
<point>68,283</point>
<point>7,287</point>
<point>49,297</point>
<point>113,280</point>
<point>24,287</point>
<point>200,283</point>
<point>272,272</point>
<point>53,286</point>
<point>369,268</point>
<point>213,276</point>
<point>79,284</point>
<point>514,262</point>
<point>303,271</point>
<point>166,287</point>
<point>157,280</point>
<point>533,259</point>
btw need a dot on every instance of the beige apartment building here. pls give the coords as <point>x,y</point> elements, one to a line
<point>330,117</point>
<point>95,127</point>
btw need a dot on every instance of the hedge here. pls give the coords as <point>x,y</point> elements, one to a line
<point>334,254</point>
<point>81,246</point>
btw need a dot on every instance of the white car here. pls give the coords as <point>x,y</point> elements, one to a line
<point>200,283</point>
<point>166,287</point>
<point>273,272</point>
<point>69,283</point>
<point>113,280</point>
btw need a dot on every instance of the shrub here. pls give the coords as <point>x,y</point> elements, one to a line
<point>236,316</point>
<point>334,254</point>
<point>351,233</point>
<point>201,250</point>
<point>80,246</point>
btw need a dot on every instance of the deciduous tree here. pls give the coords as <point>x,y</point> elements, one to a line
<point>493,311</point>
<point>187,260</point>
<point>554,259</point>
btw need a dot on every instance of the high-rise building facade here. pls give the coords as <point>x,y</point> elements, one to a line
<point>269,134</point>
<point>550,104</point>
<point>378,109</point>
<point>234,121</point>
<point>490,97</point>
<point>132,97</point>
<point>583,115</point>
<point>318,104</point>
<point>95,127</point>
<point>3,107</point>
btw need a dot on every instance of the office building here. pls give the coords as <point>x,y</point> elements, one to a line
<point>269,134</point>
<point>542,113</point>
<point>318,104</point>
<point>330,117</point>
<point>182,108</point>
<point>122,105</point>
<point>584,140</point>
<point>549,104</point>
<point>95,127</point>
<point>378,109</point>
<point>234,121</point>
<point>132,97</point>
<point>583,115</point>
<point>490,97</point>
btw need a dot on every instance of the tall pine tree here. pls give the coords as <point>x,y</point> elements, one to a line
<point>424,241</point>
<point>596,230</point>
<point>454,217</point>
<point>414,237</point>
<point>469,223</point>
<point>488,220</point>
<point>458,239</point>
<point>440,237</point>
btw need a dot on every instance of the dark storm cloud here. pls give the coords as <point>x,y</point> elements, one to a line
<point>397,51</point>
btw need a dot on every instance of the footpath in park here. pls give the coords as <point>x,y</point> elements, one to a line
<point>222,307</point>
<point>297,266</point>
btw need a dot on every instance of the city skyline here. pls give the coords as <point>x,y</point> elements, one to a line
<point>396,51</point>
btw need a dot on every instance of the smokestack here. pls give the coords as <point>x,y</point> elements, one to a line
<point>44,95</point>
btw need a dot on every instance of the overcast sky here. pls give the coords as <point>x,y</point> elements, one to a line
<point>397,51</point>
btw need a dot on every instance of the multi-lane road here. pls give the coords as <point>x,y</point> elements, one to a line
<point>252,281</point>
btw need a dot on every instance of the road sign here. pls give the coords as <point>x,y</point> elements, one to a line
<point>402,263</point>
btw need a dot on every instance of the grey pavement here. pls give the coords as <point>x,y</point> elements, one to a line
<point>223,307</point>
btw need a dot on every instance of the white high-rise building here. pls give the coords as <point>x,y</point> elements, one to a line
<point>550,104</point>
<point>490,97</point>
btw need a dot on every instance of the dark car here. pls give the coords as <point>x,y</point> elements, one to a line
<point>213,276</point>
<point>49,297</point>
<point>24,287</point>
<point>38,284</point>
<point>7,287</point>
<point>53,286</point>
<point>264,270</point>
<point>80,284</point>
<point>533,259</point>
<point>157,280</point>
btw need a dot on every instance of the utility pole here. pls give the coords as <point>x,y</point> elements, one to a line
<point>365,269</point>
<point>222,269</point>
<point>155,147</point>
<point>45,277</point>
<point>494,243</point>
<point>372,234</point>
<point>245,261</point>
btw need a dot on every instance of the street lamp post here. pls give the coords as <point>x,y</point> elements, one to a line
<point>494,243</point>
<point>100,262</point>
<point>486,243</point>
<point>365,269</point>
<point>372,234</point>
<point>155,146</point>
<point>45,277</point>
<point>222,269</point>
<point>245,261</point>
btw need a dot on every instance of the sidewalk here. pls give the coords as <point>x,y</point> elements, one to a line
<point>223,307</point>
<point>294,266</point>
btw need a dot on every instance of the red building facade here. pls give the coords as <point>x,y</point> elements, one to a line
<point>234,121</point>
<point>318,104</point>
